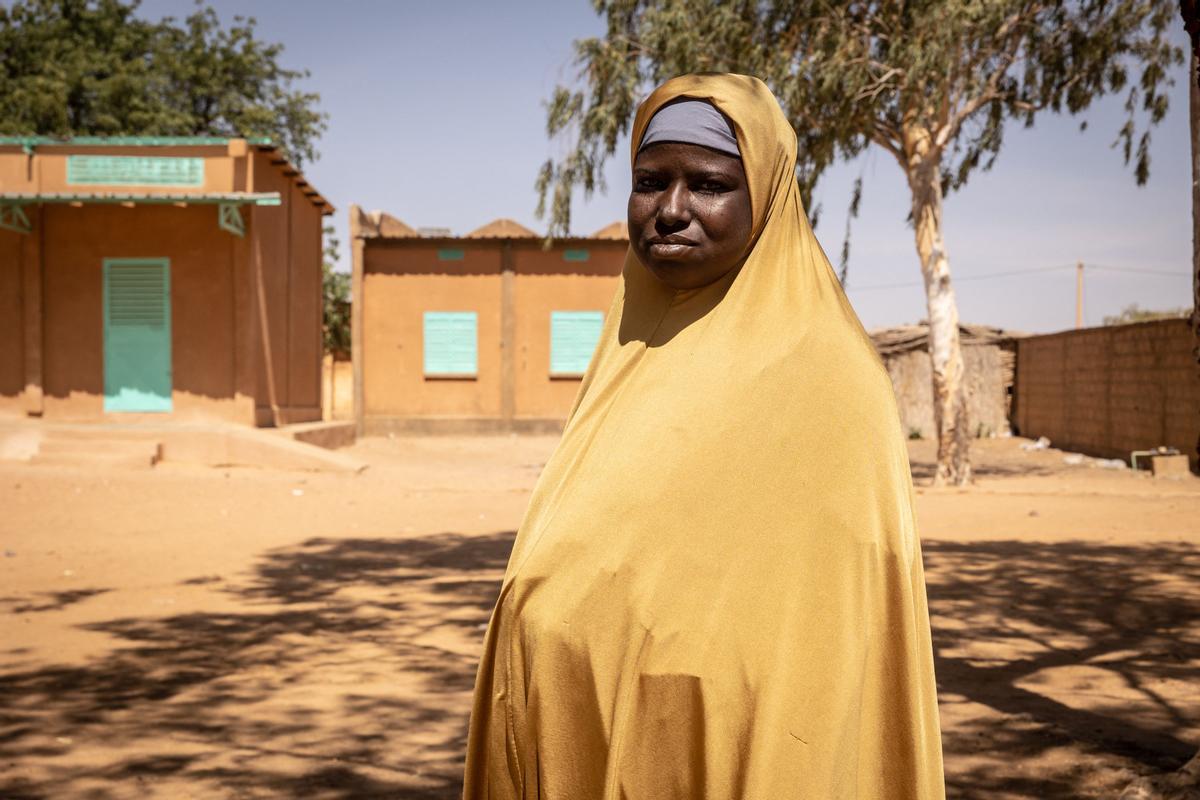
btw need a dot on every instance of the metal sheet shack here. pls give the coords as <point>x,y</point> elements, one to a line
<point>151,278</point>
<point>989,356</point>
<point>484,332</point>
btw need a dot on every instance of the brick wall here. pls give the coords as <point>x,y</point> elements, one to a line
<point>1108,391</point>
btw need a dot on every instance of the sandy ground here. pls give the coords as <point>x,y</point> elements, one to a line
<point>240,633</point>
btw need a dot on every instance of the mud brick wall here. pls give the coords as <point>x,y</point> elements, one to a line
<point>1108,391</point>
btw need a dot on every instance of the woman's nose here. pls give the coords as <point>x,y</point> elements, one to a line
<point>673,207</point>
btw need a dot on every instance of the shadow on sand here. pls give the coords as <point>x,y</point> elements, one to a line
<point>342,668</point>
<point>1078,648</point>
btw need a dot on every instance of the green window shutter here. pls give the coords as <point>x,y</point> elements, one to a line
<point>576,255</point>
<point>135,171</point>
<point>451,347</point>
<point>451,254</point>
<point>573,338</point>
<point>137,334</point>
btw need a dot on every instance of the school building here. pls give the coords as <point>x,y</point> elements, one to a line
<point>158,278</point>
<point>484,332</point>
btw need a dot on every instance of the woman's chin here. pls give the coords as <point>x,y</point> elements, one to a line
<point>678,276</point>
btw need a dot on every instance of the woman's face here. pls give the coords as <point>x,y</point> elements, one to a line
<point>689,213</point>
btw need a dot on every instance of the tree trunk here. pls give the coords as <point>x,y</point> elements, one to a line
<point>1194,105</point>
<point>924,172</point>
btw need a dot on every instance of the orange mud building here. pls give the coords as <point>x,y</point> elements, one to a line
<point>158,278</point>
<point>485,332</point>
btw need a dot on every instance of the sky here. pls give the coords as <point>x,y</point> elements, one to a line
<point>436,116</point>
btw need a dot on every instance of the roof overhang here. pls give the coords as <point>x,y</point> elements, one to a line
<point>143,198</point>
<point>229,216</point>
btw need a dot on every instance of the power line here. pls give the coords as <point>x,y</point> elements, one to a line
<point>1137,271</point>
<point>1012,272</point>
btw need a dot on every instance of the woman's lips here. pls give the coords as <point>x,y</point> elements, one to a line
<point>670,247</point>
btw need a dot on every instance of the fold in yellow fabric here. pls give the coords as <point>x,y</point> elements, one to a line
<point>717,590</point>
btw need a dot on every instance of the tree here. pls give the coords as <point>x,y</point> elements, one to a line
<point>1134,313</point>
<point>93,67</point>
<point>1190,9</point>
<point>931,82</point>
<point>335,288</point>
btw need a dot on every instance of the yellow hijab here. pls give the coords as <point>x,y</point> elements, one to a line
<point>717,591</point>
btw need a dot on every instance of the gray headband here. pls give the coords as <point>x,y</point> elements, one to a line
<point>691,122</point>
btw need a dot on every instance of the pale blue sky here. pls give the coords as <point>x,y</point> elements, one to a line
<point>436,116</point>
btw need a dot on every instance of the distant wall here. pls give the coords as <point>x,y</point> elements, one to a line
<point>337,389</point>
<point>1108,391</point>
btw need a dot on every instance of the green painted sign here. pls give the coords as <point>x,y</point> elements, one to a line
<point>576,255</point>
<point>451,343</point>
<point>573,338</point>
<point>137,334</point>
<point>134,171</point>
<point>451,255</point>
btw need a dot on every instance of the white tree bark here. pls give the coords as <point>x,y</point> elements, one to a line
<point>923,169</point>
<point>1194,116</point>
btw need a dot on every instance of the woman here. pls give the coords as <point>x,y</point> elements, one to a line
<point>717,590</point>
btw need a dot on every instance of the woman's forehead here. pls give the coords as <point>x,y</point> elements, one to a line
<point>685,155</point>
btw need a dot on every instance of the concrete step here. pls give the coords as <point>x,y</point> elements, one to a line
<point>64,449</point>
<point>330,434</point>
<point>114,460</point>
<point>89,446</point>
<point>64,444</point>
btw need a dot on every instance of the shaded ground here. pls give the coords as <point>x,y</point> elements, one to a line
<point>246,634</point>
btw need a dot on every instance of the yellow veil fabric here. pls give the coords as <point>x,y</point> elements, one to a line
<point>717,590</point>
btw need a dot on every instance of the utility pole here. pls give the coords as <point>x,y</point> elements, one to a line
<point>1078,295</point>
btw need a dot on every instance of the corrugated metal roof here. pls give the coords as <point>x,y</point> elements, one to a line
<point>371,224</point>
<point>903,338</point>
<point>613,230</point>
<point>128,141</point>
<point>502,228</point>
<point>207,198</point>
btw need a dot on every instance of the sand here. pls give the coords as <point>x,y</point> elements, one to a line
<point>242,633</point>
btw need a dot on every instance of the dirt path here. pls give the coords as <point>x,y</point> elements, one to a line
<point>239,633</point>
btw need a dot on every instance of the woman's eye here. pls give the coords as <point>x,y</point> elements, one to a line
<point>648,184</point>
<point>711,187</point>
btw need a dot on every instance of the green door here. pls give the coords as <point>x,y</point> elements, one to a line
<point>137,334</point>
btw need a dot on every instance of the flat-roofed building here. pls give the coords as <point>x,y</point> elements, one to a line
<point>488,331</point>
<point>158,278</point>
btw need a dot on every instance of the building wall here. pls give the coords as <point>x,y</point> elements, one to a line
<point>1108,391</point>
<point>337,389</point>
<point>12,337</point>
<point>305,316</point>
<point>286,261</point>
<point>400,284</point>
<point>403,278</point>
<point>546,283</point>
<point>47,170</point>
<point>229,295</point>
<point>76,241</point>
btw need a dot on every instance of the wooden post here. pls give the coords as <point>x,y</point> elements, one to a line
<point>245,325</point>
<point>32,311</point>
<point>357,254</point>
<point>1078,295</point>
<point>264,330</point>
<point>508,339</point>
